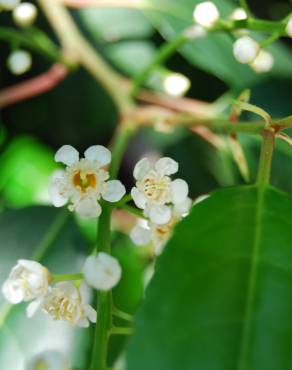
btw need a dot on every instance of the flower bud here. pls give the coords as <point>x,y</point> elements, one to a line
<point>19,62</point>
<point>176,84</point>
<point>238,14</point>
<point>263,62</point>
<point>245,49</point>
<point>24,14</point>
<point>102,272</point>
<point>289,28</point>
<point>206,14</point>
<point>27,280</point>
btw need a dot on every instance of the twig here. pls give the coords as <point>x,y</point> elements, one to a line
<point>33,87</point>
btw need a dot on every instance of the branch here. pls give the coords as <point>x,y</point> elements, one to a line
<point>35,86</point>
<point>77,49</point>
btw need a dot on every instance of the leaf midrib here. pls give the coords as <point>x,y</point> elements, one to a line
<point>247,317</point>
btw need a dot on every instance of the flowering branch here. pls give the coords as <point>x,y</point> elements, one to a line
<point>33,87</point>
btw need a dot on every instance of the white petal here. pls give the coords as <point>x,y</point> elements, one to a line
<point>56,189</point>
<point>180,190</point>
<point>12,294</point>
<point>88,207</point>
<point>114,191</point>
<point>140,235</point>
<point>166,166</point>
<point>159,214</point>
<point>141,168</point>
<point>32,308</point>
<point>182,209</point>
<point>83,322</point>
<point>102,272</point>
<point>90,312</point>
<point>67,155</point>
<point>98,153</point>
<point>139,198</point>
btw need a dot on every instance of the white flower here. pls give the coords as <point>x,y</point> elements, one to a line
<point>49,360</point>
<point>155,191</point>
<point>245,49</point>
<point>289,28</point>
<point>102,272</point>
<point>8,4</point>
<point>263,62</point>
<point>19,62</point>
<point>24,14</point>
<point>176,84</point>
<point>159,235</point>
<point>84,181</point>
<point>65,302</point>
<point>27,280</point>
<point>238,14</point>
<point>206,14</point>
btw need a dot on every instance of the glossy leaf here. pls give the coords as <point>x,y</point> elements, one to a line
<point>221,297</point>
<point>214,52</point>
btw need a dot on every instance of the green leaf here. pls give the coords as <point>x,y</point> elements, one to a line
<point>115,24</point>
<point>50,235</point>
<point>221,298</point>
<point>214,52</point>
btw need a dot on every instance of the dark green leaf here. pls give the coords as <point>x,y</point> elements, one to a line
<point>221,298</point>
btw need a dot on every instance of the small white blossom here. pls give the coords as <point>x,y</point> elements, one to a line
<point>8,4</point>
<point>263,62</point>
<point>245,49</point>
<point>155,192</point>
<point>159,235</point>
<point>206,14</point>
<point>65,302</point>
<point>24,14</point>
<point>289,28</point>
<point>239,14</point>
<point>176,84</point>
<point>19,62</point>
<point>102,272</point>
<point>84,181</point>
<point>27,280</point>
<point>49,360</point>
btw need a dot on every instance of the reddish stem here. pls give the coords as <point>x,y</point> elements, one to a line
<point>33,87</point>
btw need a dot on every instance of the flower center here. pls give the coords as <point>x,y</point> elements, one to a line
<point>157,189</point>
<point>84,180</point>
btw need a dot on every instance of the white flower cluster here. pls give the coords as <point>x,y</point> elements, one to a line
<point>84,181</point>
<point>29,281</point>
<point>248,51</point>
<point>24,15</point>
<point>164,201</point>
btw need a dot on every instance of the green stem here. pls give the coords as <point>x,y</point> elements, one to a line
<point>104,299</point>
<point>36,41</point>
<point>252,25</point>
<point>120,141</point>
<point>266,156</point>
<point>122,315</point>
<point>64,277</point>
<point>121,331</point>
<point>163,53</point>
